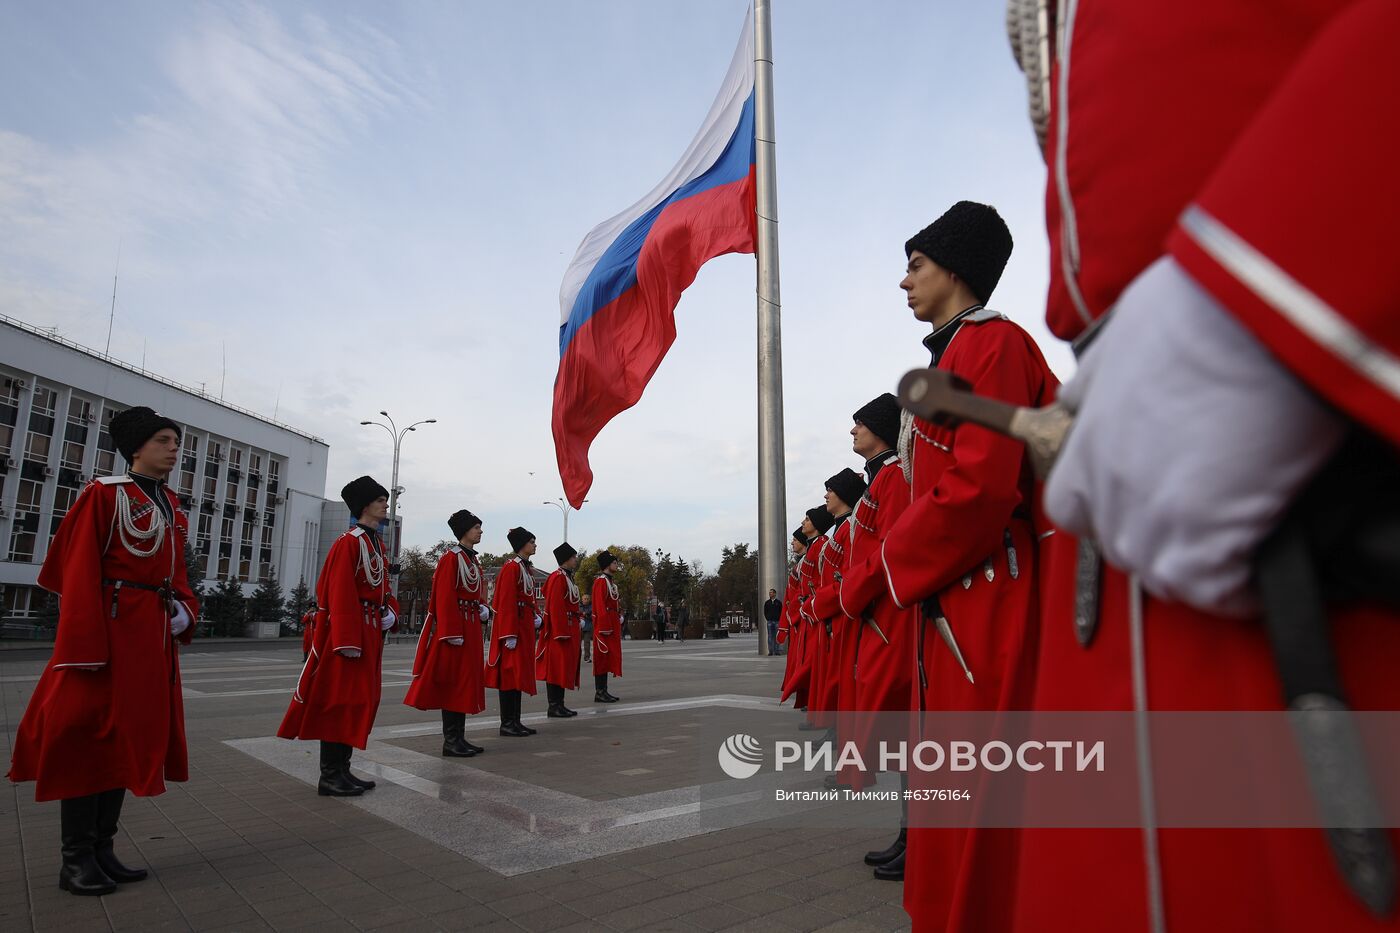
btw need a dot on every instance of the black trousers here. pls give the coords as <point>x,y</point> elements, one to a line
<point>554,693</point>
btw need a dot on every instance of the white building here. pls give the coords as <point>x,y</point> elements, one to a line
<point>253,488</point>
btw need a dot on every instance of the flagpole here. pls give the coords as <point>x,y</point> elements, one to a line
<point>772,486</point>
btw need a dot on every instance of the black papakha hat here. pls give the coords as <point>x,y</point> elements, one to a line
<point>848,485</point>
<point>881,416</point>
<point>563,552</point>
<point>821,519</point>
<point>605,559</point>
<point>462,522</point>
<point>359,493</point>
<point>132,428</point>
<point>800,538</point>
<point>518,538</point>
<point>971,241</point>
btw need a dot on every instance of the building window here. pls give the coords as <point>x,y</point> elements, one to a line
<point>73,455</point>
<point>63,500</point>
<point>24,528</point>
<point>17,602</point>
<point>9,391</point>
<point>274,476</point>
<point>36,448</point>
<point>211,486</point>
<point>80,411</point>
<point>45,399</point>
<point>189,462</point>
<point>251,498</point>
<point>106,464</point>
<point>7,437</point>
<point>254,463</point>
<point>204,528</point>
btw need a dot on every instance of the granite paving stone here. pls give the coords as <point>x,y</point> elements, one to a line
<point>588,826</point>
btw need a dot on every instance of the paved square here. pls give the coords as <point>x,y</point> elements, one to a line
<point>594,824</point>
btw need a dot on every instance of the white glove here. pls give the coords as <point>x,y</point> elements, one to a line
<point>454,642</point>
<point>538,621</point>
<point>387,619</point>
<point>510,642</point>
<point>179,619</point>
<point>485,614</point>
<point>1189,443</point>
<point>348,652</point>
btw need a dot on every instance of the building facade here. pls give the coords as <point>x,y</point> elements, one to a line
<point>252,488</point>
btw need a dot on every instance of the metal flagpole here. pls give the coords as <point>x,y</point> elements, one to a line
<point>772,488</point>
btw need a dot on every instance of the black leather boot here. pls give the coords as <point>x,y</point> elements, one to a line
<point>519,698</point>
<point>345,753</point>
<point>555,693</point>
<point>475,749</point>
<point>335,780</point>
<point>80,873</point>
<point>109,811</point>
<point>893,870</point>
<point>510,712</point>
<point>453,745</point>
<point>890,853</point>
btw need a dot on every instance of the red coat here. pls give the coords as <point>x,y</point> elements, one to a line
<point>448,676</point>
<point>789,593</point>
<point>308,628</point>
<point>557,659</point>
<point>836,651</point>
<point>972,497</point>
<point>337,697</point>
<point>884,653</point>
<point>1291,129</point>
<point>122,725</point>
<point>607,628</point>
<point>513,616</point>
<point>798,681</point>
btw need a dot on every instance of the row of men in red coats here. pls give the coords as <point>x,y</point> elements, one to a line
<point>1224,268</point>
<point>337,695</point>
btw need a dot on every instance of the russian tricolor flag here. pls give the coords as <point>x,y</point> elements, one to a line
<point>620,291</point>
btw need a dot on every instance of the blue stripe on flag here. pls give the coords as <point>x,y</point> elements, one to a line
<point>616,270</point>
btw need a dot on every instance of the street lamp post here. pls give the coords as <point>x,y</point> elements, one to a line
<point>397,436</point>
<point>563,506</point>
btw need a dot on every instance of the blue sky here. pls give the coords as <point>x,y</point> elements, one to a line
<point>371,206</point>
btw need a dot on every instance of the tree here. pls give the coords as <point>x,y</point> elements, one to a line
<point>194,569</point>
<point>738,579</point>
<point>416,580</point>
<point>224,610</point>
<point>300,600</point>
<point>266,605</point>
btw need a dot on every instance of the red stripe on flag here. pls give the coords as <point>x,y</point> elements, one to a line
<point>614,354</point>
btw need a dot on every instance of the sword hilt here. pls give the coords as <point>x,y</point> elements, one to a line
<point>938,396</point>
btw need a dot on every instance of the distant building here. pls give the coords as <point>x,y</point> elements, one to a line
<point>253,489</point>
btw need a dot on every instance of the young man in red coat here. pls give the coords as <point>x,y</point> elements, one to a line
<point>843,491</point>
<point>815,524</point>
<point>804,677</point>
<point>510,662</point>
<point>607,628</point>
<point>964,550</point>
<point>337,695</point>
<point>308,630</point>
<point>447,666</point>
<point>1253,290</point>
<point>885,641</point>
<point>557,658</point>
<point>106,716</point>
<point>789,634</point>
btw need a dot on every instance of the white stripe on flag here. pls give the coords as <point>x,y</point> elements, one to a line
<point>702,153</point>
